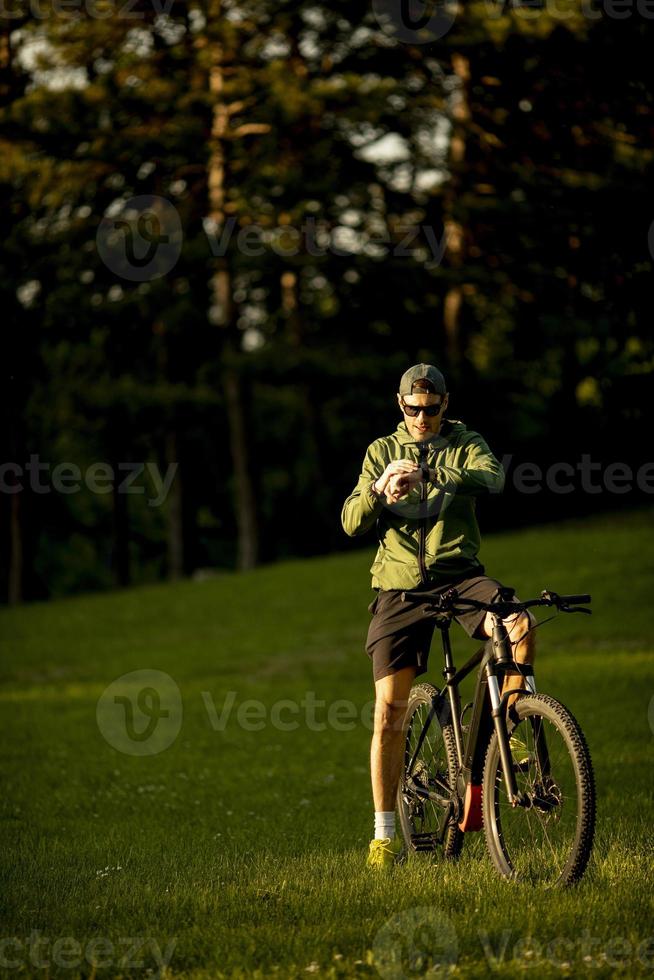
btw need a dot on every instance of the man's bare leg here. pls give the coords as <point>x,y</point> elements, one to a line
<point>387,747</point>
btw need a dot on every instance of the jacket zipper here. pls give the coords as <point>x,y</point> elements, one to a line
<point>422,531</point>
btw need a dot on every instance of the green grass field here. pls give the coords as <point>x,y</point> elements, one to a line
<point>238,851</point>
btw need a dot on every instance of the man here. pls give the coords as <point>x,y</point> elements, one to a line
<point>418,486</point>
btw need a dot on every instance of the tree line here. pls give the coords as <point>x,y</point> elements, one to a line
<point>228,228</point>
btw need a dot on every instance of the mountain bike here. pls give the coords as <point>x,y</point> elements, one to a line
<point>519,770</point>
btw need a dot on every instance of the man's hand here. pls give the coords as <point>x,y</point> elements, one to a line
<point>401,484</point>
<point>397,470</point>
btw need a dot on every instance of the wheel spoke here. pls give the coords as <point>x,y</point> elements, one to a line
<point>433,768</point>
<point>540,840</point>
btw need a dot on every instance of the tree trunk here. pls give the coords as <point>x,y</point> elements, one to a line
<point>120,555</point>
<point>175,511</point>
<point>222,314</point>
<point>12,409</point>
<point>453,229</point>
<point>245,503</point>
<point>15,584</point>
<point>311,434</point>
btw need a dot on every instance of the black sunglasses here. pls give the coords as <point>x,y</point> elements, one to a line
<point>413,411</point>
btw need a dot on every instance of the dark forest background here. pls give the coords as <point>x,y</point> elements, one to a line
<point>350,149</point>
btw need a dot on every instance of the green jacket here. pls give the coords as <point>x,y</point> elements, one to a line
<point>431,535</point>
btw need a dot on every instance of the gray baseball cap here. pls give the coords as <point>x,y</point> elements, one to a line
<point>419,372</point>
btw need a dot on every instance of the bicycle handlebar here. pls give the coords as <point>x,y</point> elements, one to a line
<point>573,600</point>
<point>565,603</point>
<point>450,600</point>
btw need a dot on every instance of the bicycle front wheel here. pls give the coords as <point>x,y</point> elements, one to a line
<point>547,838</point>
<point>429,822</point>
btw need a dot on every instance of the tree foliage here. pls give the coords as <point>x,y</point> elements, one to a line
<point>350,202</point>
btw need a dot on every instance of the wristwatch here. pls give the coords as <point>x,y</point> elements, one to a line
<point>426,476</point>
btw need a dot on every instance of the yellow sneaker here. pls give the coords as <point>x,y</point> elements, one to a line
<point>384,853</point>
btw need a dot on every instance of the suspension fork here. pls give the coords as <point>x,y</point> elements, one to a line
<point>502,658</point>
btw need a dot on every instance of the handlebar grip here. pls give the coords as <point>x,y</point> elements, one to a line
<point>571,600</point>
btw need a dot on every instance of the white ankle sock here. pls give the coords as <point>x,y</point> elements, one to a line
<point>384,824</point>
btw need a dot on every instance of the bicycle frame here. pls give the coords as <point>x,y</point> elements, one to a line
<point>495,660</point>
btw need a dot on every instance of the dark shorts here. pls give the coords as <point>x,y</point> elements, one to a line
<point>400,634</point>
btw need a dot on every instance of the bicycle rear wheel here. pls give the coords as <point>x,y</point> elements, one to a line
<point>547,838</point>
<point>429,826</point>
